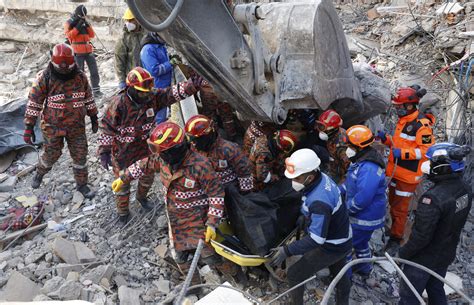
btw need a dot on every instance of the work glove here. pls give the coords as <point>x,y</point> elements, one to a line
<point>95,124</point>
<point>198,81</point>
<point>280,256</point>
<point>117,185</point>
<point>122,85</point>
<point>29,135</point>
<point>210,233</point>
<point>106,160</point>
<point>397,153</point>
<point>175,61</point>
<point>382,135</point>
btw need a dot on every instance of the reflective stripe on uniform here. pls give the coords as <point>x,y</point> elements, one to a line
<point>407,137</point>
<point>78,166</point>
<point>417,153</point>
<point>368,223</point>
<point>403,194</point>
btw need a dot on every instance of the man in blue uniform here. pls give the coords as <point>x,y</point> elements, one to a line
<point>440,217</point>
<point>329,236</point>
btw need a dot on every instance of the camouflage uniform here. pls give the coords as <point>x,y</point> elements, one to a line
<point>265,162</point>
<point>230,163</point>
<point>339,162</point>
<point>193,201</point>
<point>63,105</point>
<point>124,130</point>
<point>256,129</point>
<point>213,108</point>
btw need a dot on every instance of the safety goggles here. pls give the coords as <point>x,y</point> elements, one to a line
<point>153,147</point>
<point>320,126</point>
<point>290,166</point>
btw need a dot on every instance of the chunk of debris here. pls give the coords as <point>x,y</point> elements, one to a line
<point>84,254</point>
<point>20,288</point>
<point>128,296</point>
<point>223,295</point>
<point>160,250</point>
<point>9,184</point>
<point>372,14</point>
<point>27,202</point>
<point>70,290</point>
<point>65,250</point>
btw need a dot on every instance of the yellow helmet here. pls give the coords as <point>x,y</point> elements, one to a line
<point>128,15</point>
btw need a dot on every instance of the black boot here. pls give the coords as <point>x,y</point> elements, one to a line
<point>146,204</point>
<point>392,246</point>
<point>37,180</point>
<point>123,220</point>
<point>86,191</point>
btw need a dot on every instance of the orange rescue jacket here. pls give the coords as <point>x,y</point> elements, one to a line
<point>413,135</point>
<point>80,40</point>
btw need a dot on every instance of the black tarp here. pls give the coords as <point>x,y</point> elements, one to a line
<point>12,127</point>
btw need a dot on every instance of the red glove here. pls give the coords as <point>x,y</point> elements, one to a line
<point>29,135</point>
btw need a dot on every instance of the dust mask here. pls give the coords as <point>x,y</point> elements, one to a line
<point>350,153</point>
<point>426,167</point>
<point>323,136</point>
<point>130,26</point>
<point>297,186</point>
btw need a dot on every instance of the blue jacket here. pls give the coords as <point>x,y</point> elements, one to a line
<point>365,191</point>
<point>327,218</point>
<point>154,58</point>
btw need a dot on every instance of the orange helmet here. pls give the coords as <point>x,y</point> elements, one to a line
<point>198,125</point>
<point>62,57</point>
<point>360,135</point>
<point>328,120</point>
<point>406,95</point>
<point>285,140</point>
<point>165,136</point>
<point>140,79</point>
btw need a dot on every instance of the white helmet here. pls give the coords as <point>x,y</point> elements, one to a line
<point>300,162</point>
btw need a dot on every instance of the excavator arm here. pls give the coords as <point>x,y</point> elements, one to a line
<point>264,58</point>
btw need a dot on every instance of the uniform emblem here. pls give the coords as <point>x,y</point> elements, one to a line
<point>426,139</point>
<point>223,163</point>
<point>409,128</point>
<point>188,183</point>
<point>150,113</point>
<point>426,200</point>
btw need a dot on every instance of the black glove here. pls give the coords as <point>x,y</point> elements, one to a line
<point>280,256</point>
<point>106,160</point>
<point>29,135</point>
<point>80,24</point>
<point>300,222</point>
<point>95,124</point>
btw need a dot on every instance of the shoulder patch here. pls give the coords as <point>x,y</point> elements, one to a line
<point>222,163</point>
<point>426,200</point>
<point>150,113</point>
<point>188,183</point>
<point>380,171</point>
<point>426,139</point>
<point>462,203</point>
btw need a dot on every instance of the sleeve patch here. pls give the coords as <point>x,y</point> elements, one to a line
<point>426,200</point>
<point>426,139</point>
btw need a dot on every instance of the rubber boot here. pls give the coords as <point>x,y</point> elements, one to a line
<point>37,179</point>
<point>145,204</point>
<point>86,191</point>
<point>123,220</point>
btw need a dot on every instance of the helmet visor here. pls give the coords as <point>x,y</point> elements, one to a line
<point>145,85</point>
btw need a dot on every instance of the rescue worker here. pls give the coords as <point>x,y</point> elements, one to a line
<point>214,108</point>
<point>328,239</point>
<point>364,190</point>
<point>154,58</point>
<point>256,129</point>
<point>408,145</point>
<point>79,33</point>
<point>439,220</point>
<point>267,157</point>
<point>329,130</point>
<point>127,48</point>
<point>61,95</point>
<point>194,196</point>
<point>227,158</point>
<point>128,119</point>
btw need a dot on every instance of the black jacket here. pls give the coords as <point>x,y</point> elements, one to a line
<point>442,212</point>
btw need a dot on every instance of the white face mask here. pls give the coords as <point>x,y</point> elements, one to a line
<point>323,136</point>
<point>130,26</point>
<point>350,152</point>
<point>426,167</point>
<point>297,186</point>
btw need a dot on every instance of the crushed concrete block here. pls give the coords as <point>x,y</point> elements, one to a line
<point>222,295</point>
<point>84,254</point>
<point>98,273</point>
<point>4,197</point>
<point>20,288</point>
<point>162,285</point>
<point>209,275</point>
<point>52,285</point>
<point>70,290</point>
<point>73,276</point>
<point>8,47</point>
<point>65,250</point>
<point>5,255</point>
<point>128,296</point>
<point>372,14</point>
<point>9,184</point>
<point>63,270</point>
<point>120,281</point>
<point>161,250</point>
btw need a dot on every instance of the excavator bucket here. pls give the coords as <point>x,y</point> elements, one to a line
<point>263,59</point>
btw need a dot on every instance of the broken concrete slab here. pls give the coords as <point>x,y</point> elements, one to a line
<point>8,47</point>
<point>63,270</point>
<point>70,290</point>
<point>98,273</point>
<point>128,296</point>
<point>162,285</point>
<point>52,285</point>
<point>20,288</point>
<point>222,295</point>
<point>84,254</point>
<point>65,250</point>
<point>9,184</point>
<point>161,250</point>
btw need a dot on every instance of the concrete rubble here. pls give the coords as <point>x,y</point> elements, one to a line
<point>132,265</point>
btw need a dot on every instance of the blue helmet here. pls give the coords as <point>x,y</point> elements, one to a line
<point>446,153</point>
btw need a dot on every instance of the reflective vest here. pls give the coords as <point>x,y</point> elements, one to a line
<point>413,135</point>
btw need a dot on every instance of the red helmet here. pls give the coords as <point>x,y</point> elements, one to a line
<point>198,125</point>
<point>62,57</point>
<point>164,136</point>
<point>285,140</point>
<point>328,120</point>
<point>405,95</point>
<point>140,79</point>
